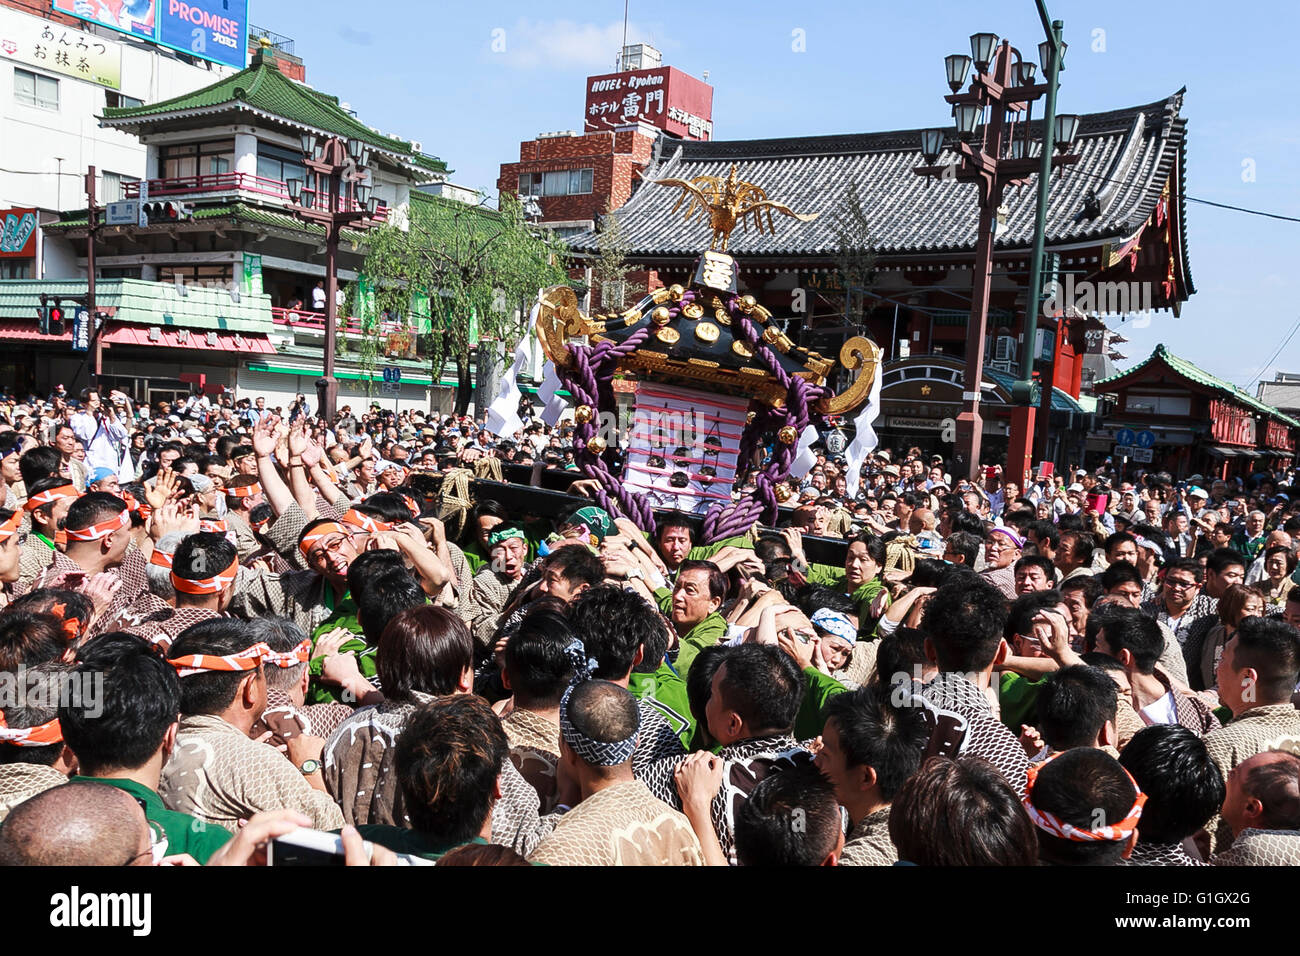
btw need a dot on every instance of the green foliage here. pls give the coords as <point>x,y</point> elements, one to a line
<point>474,264</point>
<point>855,258</point>
<point>610,268</point>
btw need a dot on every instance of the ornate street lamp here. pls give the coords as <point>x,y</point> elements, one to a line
<point>957,66</point>
<point>982,46</point>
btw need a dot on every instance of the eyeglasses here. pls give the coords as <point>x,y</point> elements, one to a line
<point>1181,585</point>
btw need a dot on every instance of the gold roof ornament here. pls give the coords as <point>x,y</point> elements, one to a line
<point>728,201</point>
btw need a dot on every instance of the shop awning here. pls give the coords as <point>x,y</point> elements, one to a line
<point>204,341</point>
<point>1221,452</point>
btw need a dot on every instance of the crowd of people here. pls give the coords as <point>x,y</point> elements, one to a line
<point>223,623</point>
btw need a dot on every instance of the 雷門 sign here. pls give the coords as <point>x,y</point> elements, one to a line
<point>664,97</point>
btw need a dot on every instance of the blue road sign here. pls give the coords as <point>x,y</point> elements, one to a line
<point>392,374</point>
<point>1125,436</point>
<point>1146,439</point>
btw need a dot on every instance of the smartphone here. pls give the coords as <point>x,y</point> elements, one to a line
<point>306,848</point>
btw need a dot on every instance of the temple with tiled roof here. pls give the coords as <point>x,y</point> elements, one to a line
<point>1115,225</point>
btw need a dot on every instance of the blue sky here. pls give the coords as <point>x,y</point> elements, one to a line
<point>434,77</point>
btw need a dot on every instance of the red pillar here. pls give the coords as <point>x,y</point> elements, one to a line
<point>1020,447</point>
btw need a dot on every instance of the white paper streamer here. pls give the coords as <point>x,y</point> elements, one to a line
<point>502,416</point>
<point>804,458</point>
<point>865,441</point>
<point>554,404</point>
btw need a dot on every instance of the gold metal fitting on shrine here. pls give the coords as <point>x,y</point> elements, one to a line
<point>582,414</point>
<point>707,332</point>
<point>660,316</point>
<point>596,445</point>
<point>676,292</point>
<point>788,434</point>
<point>747,303</point>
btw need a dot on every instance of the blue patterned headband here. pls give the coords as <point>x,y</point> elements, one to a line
<point>597,753</point>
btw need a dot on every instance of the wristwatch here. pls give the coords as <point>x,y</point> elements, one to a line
<point>634,574</point>
<point>309,767</point>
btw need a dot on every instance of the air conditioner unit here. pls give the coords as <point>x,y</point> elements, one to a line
<point>1000,366</point>
<point>1004,349</point>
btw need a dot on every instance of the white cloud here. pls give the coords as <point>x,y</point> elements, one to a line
<point>565,45</point>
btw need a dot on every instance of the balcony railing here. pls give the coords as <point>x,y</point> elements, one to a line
<point>315,322</point>
<point>226,183</point>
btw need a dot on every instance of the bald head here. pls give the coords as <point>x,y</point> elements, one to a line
<point>76,824</point>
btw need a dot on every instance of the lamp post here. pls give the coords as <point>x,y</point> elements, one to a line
<point>993,146</point>
<point>336,165</point>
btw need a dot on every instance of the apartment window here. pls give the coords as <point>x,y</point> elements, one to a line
<point>196,159</point>
<point>210,275</point>
<point>16,268</point>
<point>115,100</point>
<point>279,164</point>
<point>33,89</point>
<point>112,187</point>
<point>563,182</point>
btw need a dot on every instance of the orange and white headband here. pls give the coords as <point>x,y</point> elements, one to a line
<point>322,531</point>
<point>39,736</point>
<point>244,491</point>
<point>292,658</point>
<point>10,527</point>
<point>214,525</point>
<point>49,496</point>
<point>213,585</point>
<point>1050,823</point>
<point>161,558</point>
<point>102,530</point>
<point>364,522</point>
<point>245,660</point>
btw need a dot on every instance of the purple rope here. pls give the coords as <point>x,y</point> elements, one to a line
<point>589,379</point>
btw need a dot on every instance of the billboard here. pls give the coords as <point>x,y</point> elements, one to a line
<point>215,30</point>
<point>58,49</point>
<point>664,97</point>
<point>135,17</point>
<point>17,233</point>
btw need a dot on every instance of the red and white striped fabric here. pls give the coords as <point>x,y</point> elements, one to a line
<point>299,655</point>
<point>160,558</point>
<point>213,585</point>
<point>1107,833</point>
<point>243,491</point>
<point>39,736</point>
<point>668,418</point>
<point>101,530</point>
<point>50,495</point>
<point>10,527</point>
<point>214,525</point>
<point>363,522</point>
<point>245,660</point>
<point>323,531</point>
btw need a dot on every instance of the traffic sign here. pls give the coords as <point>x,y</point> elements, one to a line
<point>1125,436</point>
<point>143,218</point>
<point>1145,439</point>
<point>124,213</point>
<point>392,374</point>
<point>390,388</point>
<point>81,330</point>
<point>1142,455</point>
<point>1125,451</point>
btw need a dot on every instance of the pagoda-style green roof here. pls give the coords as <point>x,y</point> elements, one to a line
<point>1193,373</point>
<point>236,212</point>
<point>262,88</point>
